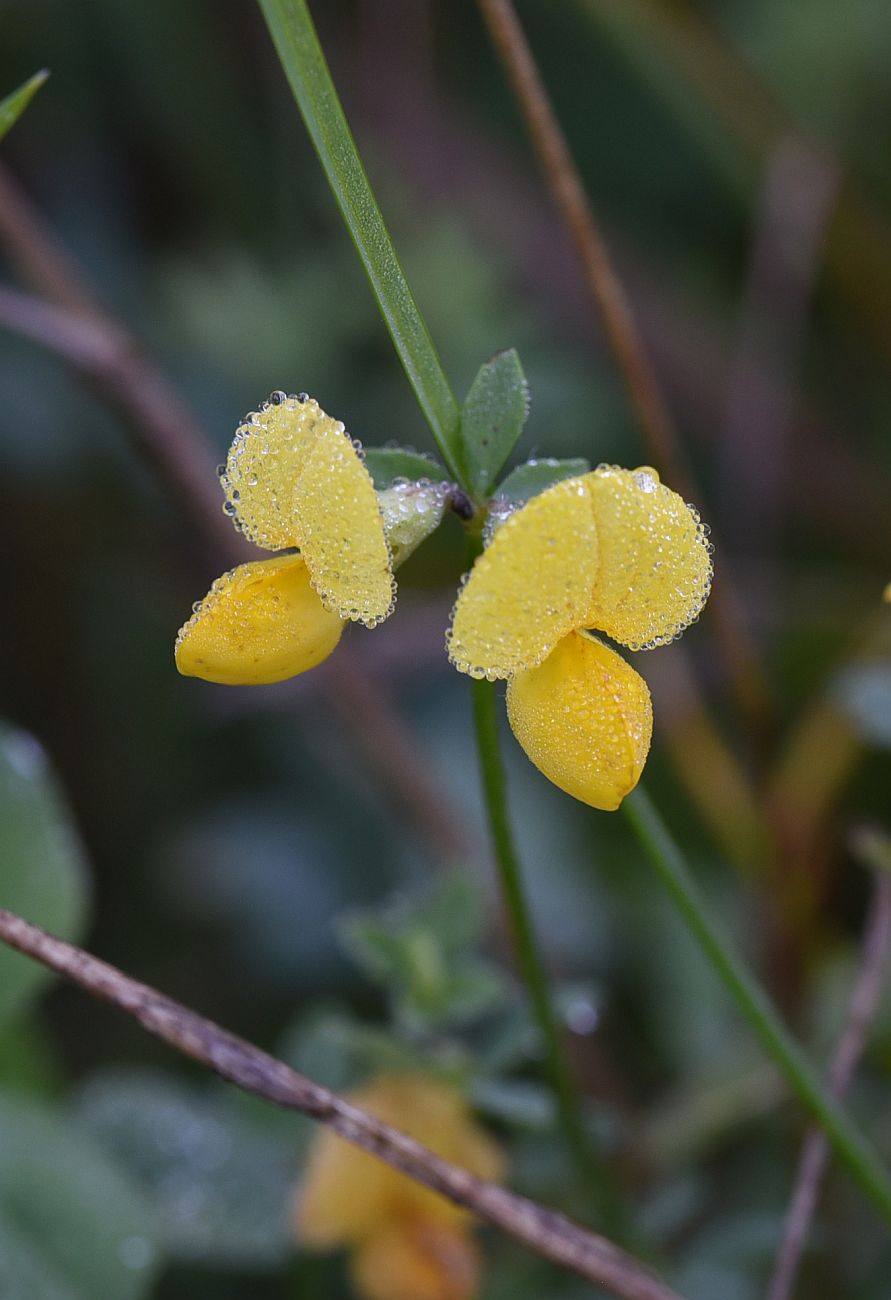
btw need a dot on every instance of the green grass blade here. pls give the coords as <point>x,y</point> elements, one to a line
<point>298,48</point>
<point>14,105</point>
<point>849,1144</point>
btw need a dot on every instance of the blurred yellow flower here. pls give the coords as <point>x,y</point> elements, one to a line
<point>407,1242</point>
<point>614,550</point>
<point>293,479</point>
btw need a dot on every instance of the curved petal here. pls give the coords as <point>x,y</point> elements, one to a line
<point>259,623</point>
<point>341,530</point>
<point>347,1195</point>
<point>584,718</point>
<point>530,587</point>
<point>268,454</point>
<point>655,559</point>
<point>293,477</point>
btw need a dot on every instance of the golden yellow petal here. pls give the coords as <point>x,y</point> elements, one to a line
<point>584,717</point>
<point>346,1195</point>
<point>261,622</point>
<point>530,586</point>
<point>417,1261</point>
<point>341,530</point>
<point>267,456</point>
<point>655,560</point>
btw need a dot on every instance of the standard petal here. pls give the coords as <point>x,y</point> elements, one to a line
<point>267,456</point>
<point>261,622</point>
<point>584,717</point>
<point>341,530</point>
<point>530,587</point>
<point>655,560</point>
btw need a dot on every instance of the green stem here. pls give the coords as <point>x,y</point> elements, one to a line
<point>304,63</point>
<point>591,1171</point>
<point>849,1144</point>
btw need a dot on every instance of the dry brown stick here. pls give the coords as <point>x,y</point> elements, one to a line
<point>815,1152</point>
<point>617,317</point>
<point>162,429</point>
<point>543,1231</point>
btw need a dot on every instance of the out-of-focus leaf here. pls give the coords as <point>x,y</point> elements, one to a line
<point>219,1182</point>
<point>72,1226</point>
<point>534,476</point>
<point>517,1102</point>
<point>418,950</point>
<point>493,416</point>
<point>26,1059</point>
<point>339,1051</point>
<point>42,874</point>
<point>14,105</point>
<point>864,693</point>
<point>386,464</point>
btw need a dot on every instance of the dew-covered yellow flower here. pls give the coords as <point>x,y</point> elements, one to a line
<point>612,550</point>
<point>407,1242</point>
<point>294,482</point>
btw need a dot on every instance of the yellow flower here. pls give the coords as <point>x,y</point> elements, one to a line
<point>613,550</point>
<point>407,1242</point>
<point>293,479</point>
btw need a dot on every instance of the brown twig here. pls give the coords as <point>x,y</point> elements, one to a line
<point>568,192</point>
<point>544,1231</point>
<point>617,317</point>
<point>76,327</point>
<point>815,1152</point>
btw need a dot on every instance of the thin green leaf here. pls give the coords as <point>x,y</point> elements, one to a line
<point>304,63</point>
<point>14,105</point>
<point>849,1144</point>
<point>528,480</point>
<point>42,874</point>
<point>386,464</point>
<point>493,417</point>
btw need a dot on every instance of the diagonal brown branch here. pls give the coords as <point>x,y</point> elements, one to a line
<point>544,1231</point>
<point>815,1152</point>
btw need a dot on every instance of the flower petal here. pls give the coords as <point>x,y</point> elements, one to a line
<point>261,622</point>
<point>417,1260</point>
<point>530,587</point>
<point>584,717</point>
<point>267,456</point>
<point>655,560</point>
<point>293,477</point>
<point>341,530</point>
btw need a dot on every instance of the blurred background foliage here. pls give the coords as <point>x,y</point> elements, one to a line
<point>247,850</point>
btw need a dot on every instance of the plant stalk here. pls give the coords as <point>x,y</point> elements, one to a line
<point>304,63</point>
<point>849,1144</point>
<point>591,1170</point>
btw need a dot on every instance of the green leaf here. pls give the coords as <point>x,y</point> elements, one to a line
<point>528,480</point>
<point>386,464</point>
<point>218,1179</point>
<point>418,949</point>
<point>14,105</point>
<point>301,55</point>
<point>72,1227</point>
<point>493,417</point>
<point>42,873</point>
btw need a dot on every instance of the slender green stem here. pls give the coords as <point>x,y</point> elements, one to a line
<point>298,48</point>
<point>590,1168</point>
<point>849,1144</point>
